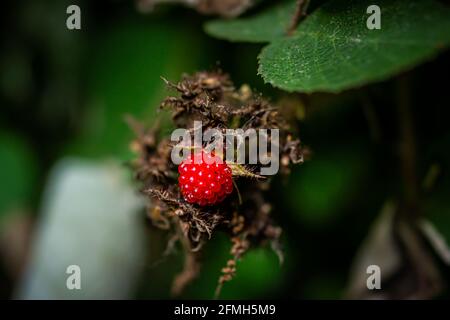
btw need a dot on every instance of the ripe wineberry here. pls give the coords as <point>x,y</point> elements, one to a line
<point>204,179</point>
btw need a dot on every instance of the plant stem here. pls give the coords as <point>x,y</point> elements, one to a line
<point>191,267</point>
<point>299,15</point>
<point>371,117</point>
<point>407,146</point>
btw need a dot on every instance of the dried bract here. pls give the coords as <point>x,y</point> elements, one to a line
<point>211,98</point>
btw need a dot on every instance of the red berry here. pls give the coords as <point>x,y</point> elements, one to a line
<point>204,179</point>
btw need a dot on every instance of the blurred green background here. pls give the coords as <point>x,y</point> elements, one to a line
<point>65,93</point>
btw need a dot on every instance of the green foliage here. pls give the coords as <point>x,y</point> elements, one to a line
<point>125,79</point>
<point>18,172</point>
<point>68,92</point>
<point>323,187</point>
<point>258,273</point>
<point>265,27</point>
<point>332,49</point>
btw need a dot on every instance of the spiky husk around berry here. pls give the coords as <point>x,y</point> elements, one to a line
<point>245,215</point>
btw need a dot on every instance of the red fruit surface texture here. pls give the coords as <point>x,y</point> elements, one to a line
<point>204,179</point>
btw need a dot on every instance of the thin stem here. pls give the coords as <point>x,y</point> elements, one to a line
<point>407,232</point>
<point>238,192</point>
<point>191,267</point>
<point>371,117</point>
<point>299,15</point>
<point>407,145</point>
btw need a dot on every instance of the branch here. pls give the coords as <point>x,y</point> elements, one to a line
<point>407,146</point>
<point>299,15</point>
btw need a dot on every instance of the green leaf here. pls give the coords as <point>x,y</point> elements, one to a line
<point>270,25</point>
<point>333,49</point>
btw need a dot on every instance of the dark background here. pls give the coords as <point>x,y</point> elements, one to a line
<point>64,93</point>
